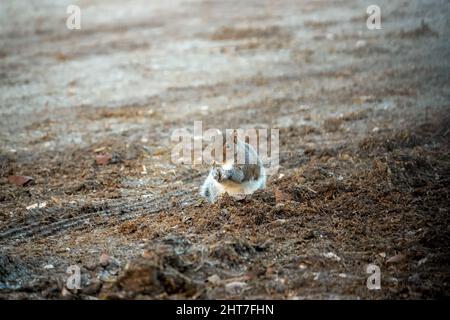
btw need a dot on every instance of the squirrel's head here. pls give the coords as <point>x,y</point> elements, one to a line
<point>230,141</point>
<point>230,144</point>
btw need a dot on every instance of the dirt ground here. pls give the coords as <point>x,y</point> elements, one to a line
<point>364,149</point>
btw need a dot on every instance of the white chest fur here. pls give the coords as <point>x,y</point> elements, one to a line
<point>234,188</point>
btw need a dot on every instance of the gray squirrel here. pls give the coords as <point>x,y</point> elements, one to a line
<point>235,178</point>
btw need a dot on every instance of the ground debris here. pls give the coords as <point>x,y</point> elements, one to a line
<point>20,180</point>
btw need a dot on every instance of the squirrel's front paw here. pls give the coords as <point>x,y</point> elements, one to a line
<point>218,174</point>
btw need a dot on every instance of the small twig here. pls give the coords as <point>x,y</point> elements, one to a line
<point>313,191</point>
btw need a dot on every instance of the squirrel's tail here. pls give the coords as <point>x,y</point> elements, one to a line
<point>205,190</point>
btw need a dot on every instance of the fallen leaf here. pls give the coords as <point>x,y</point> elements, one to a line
<point>20,180</point>
<point>103,159</point>
<point>281,196</point>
